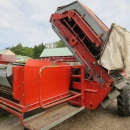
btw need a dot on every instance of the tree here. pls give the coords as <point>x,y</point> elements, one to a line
<point>59,44</point>
<point>20,50</point>
<point>38,50</point>
<point>26,51</point>
<point>17,49</point>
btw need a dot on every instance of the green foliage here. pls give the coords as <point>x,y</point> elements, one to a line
<point>17,49</point>
<point>38,50</point>
<point>24,51</point>
<point>33,52</point>
<point>28,51</point>
<point>59,44</point>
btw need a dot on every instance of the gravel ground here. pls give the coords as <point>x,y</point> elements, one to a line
<point>100,119</point>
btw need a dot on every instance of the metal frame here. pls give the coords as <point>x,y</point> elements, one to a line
<point>99,83</point>
<point>37,78</point>
<point>78,46</point>
<point>19,109</point>
<point>88,15</point>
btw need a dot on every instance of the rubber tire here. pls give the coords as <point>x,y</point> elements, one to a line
<point>123,101</point>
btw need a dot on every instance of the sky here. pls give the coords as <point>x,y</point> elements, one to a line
<point>27,21</point>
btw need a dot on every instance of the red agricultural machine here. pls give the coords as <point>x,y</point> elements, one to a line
<point>44,93</point>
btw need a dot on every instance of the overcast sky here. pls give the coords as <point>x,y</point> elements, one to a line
<point>27,21</point>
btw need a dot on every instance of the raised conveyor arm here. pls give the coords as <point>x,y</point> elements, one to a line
<point>83,33</point>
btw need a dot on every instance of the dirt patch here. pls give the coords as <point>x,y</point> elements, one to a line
<point>100,119</point>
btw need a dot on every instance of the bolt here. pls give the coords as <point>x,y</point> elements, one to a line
<point>94,63</point>
<point>97,44</point>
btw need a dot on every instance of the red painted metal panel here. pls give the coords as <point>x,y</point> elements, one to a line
<point>22,95</point>
<point>31,77</point>
<point>94,95</point>
<point>76,85</point>
<point>54,81</point>
<point>29,81</point>
<point>16,83</point>
<point>4,62</point>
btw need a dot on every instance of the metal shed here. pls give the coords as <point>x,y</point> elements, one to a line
<point>58,54</point>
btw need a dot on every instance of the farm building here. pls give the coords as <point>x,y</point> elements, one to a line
<point>58,54</point>
<point>7,55</point>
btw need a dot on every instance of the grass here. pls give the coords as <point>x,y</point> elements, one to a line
<point>6,117</point>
